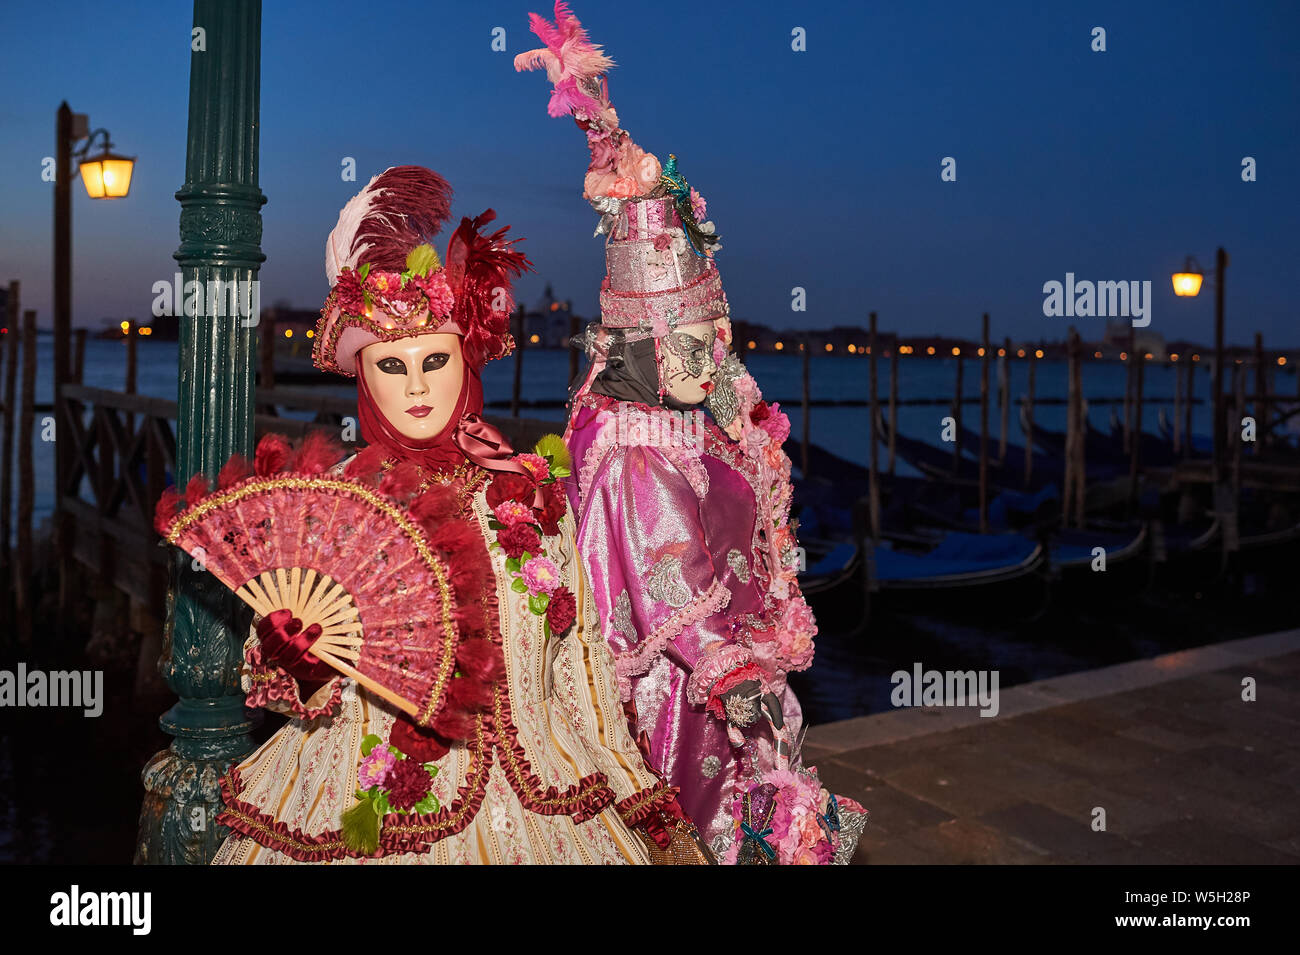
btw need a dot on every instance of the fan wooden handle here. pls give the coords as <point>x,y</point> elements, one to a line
<point>326,657</point>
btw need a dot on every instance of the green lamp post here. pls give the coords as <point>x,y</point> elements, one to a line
<point>221,233</point>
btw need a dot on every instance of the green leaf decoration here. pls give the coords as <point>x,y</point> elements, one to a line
<point>496,525</point>
<point>369,743</point>
<point>537,603</point>
<point>405,277</point>
<point>365,296</point>
<point>428,804</point>
<point>546,627</point>
<point>364,271</point>
<point>512,564</point>
<point>553,448</point>
<point>432,768</point>
<point>560,471</point>
<point>361,828</point>
<point>519,586</point>
<point>381,805</point>
<point>422,260</point>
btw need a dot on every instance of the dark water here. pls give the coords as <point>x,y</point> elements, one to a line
<point>850,673</point>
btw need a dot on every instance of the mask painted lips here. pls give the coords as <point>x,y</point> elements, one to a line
<point>418,411</point>
<point>708,387</point>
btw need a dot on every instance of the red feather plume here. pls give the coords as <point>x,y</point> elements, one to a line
<point>318,452</point>
<point>273,453</point>
<point>409,206</point>
<point>234,471</point>
<point>365,466</point>
<point>480,269</point>
<point>197,488</point>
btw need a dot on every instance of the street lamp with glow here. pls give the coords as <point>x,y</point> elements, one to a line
<point>106,175</point>
<point>1187,283</point>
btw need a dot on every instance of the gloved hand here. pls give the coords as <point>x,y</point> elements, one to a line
<point>286,644</point>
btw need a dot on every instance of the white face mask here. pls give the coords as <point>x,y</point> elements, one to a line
<point>686,363</point>
<point>415,381</point>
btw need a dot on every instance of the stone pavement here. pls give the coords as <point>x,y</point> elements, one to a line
<point>1186,771</point>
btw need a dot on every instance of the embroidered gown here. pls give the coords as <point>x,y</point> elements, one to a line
<point>682,574</point>
<point>551,775</point>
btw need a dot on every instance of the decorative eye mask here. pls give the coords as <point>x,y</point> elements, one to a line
<point>693,352</point>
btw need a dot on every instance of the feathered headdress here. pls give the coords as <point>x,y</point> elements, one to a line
<point>388,282</point>
<point>399,209</point>
<point>620,170</point>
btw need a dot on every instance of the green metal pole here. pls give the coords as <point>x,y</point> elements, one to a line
<point>221,233</point>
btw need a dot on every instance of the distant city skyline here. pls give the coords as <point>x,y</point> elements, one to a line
<point>822,168</point>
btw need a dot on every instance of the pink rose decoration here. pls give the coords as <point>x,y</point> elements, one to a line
<point>374,769</point>
<point>604,154</point>
<point>535,463</point>
<point>541,576</point>
<point>624,187</point>
<point>777,424</point>
<point>435,288</point>
<point>662,241</point>
<point>511,513</point>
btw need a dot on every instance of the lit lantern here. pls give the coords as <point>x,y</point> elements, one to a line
<point>1187,283</point>
<point>108,175</point>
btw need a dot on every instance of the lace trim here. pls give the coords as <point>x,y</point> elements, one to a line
<point>636,660</point>
<point>686,461</point>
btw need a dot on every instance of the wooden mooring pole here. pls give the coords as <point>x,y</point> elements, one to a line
<point>956,417</point>
<point>1178,408</point>
<point>1075,480</point>
<point>873,484</point>
<point>23,563</point>
<point>893,402</point>
<point>805,354</point>
<point>1135,445</point>
<point>13,321</point>
<point>1260,405</point>
<point>984,429</point>
<point>1004,398</point>
<point>1029,420</point>
<point>520,344</point>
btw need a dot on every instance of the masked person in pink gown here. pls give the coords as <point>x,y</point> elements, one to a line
<point>682,519</point>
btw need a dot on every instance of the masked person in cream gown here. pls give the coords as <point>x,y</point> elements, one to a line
<point>535,762</point>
